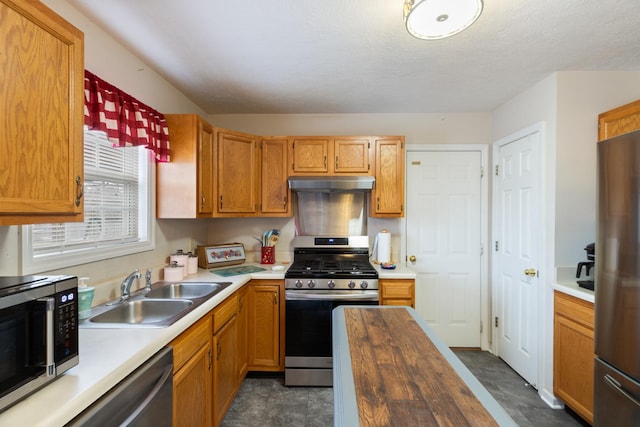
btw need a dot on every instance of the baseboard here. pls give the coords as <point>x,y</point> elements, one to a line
<point>550,399</point>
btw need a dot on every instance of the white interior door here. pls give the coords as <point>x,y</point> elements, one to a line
<point>517,252</point>
<point>444,235</point>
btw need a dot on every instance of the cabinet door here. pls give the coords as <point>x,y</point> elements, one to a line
<point>192,365</point>
<point>618,121</point>
<point>192,390</point>
<point>310,155</point>
<point>225,371</point>
<point>205,168</point>
<point>184,186</point>
<point>264,326</point>
<point>573,353</point>
<point>274,190</point>
<point>243,325</point>
<point>397,292</point>
<point>352,155</point>
<point>387,196</point>
<point>237,178</point>
<point>41,103</point>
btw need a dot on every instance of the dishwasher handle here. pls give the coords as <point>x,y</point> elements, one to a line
<point>166,376</point>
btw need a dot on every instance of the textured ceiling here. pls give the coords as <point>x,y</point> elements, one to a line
<point>355,56</point>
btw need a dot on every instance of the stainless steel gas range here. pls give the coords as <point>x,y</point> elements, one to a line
<point>326,272</point>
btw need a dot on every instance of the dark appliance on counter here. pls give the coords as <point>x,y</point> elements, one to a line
<point>588,266</point>
<point>38,333</point>
<point>326,272</point>
<point>617,296</point>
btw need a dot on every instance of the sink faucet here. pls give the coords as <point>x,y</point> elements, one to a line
<point>147,277</point>
<point>126,284</point>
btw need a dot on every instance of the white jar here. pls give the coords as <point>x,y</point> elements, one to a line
<point>192,263</point>
<point>181,259</point>
<point>174,272</point>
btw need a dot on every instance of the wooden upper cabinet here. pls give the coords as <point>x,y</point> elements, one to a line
<point>237,173</point>
<point>618,121</point>
<point>310,154</point>
<point>352,155</point>
<point>185,185</point>
<point>387,196</point>
<point>41,105</point>
<point>274,191</point>
<point>333,155</point>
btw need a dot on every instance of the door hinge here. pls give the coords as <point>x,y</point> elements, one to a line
<point>497,246</point>
<point>480,326</point>
<point>481,250</point>
<point>496,322</point>
<point>497,170</point>
<point>481,172</point>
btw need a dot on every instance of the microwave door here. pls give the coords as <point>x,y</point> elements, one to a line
<point>26,334</point>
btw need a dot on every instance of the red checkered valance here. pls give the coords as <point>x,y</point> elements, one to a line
<point>125,120</point>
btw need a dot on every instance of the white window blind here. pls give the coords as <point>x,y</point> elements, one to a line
<point>116,210</point>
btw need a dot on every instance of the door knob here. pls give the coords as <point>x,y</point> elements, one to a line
<point>412,258</point>
<point>531,272</point>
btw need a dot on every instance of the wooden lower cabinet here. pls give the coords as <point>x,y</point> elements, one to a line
<point>266,325</point>
<point>212,357</point>
<point>192,367</point>
<point>573,353</point>
<point>397,292</point>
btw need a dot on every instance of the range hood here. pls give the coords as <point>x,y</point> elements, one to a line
<point>329,184</point>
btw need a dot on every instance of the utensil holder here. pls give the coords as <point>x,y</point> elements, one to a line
<point>268,254</point>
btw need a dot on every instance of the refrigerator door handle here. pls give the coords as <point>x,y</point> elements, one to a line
<point>618,387</point>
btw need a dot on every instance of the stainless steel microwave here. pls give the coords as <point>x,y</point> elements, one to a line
<point>38,332</point>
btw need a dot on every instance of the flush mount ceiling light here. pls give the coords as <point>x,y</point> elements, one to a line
<point>437,19</point>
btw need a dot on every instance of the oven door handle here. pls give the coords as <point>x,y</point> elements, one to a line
<point>298,295</point>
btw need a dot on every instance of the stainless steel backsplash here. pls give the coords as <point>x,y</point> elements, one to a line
<point>330,213</point>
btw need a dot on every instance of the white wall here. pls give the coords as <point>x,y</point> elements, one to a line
<point>460,128</point>
<point>108,59</point>
<point>581,97</point>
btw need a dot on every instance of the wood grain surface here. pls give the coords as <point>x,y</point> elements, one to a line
<point>401,378</point>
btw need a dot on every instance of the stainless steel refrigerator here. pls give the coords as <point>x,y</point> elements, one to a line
<point>617,286</point>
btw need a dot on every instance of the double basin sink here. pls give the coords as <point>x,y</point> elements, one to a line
<point>163,305</point>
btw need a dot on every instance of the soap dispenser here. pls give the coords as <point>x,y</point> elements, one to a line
<point>85,298</point>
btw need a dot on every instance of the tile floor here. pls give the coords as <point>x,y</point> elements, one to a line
<point>266,402</point>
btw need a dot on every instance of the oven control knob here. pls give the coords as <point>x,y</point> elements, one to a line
<point>331,284</point>
<point>298,283</point>
<point>311,284</point>
<point>364,284</point>
<point>351,284</point>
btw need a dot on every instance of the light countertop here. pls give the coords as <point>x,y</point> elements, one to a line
<point>400,272</point>
<point>107,356</point>
<point>566,283</point>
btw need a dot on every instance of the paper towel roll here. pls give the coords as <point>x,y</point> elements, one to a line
<point>384,247</point>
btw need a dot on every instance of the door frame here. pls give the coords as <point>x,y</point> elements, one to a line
<point>485,296</point>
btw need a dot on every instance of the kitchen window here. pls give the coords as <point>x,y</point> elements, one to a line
<point>117,211</point>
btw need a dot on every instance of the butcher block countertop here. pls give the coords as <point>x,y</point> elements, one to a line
<point>391,369</point>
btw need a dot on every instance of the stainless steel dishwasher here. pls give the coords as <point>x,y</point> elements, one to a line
<point>143,399</point>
